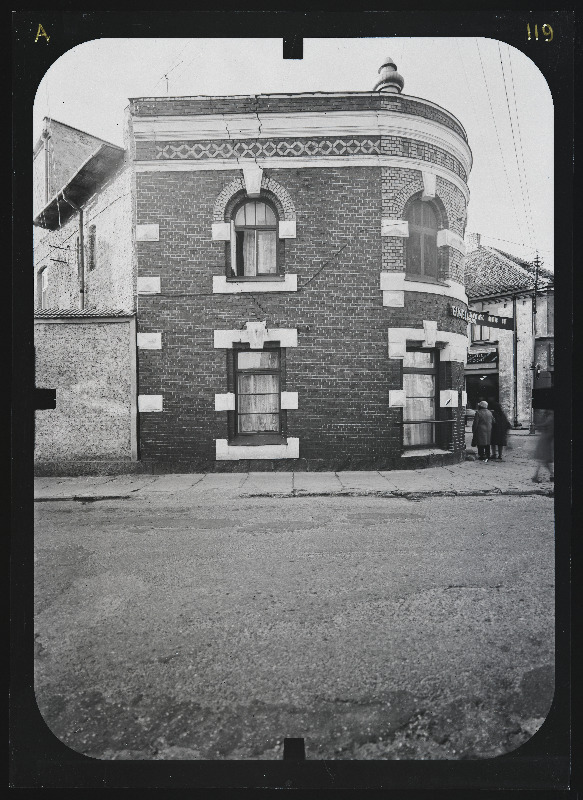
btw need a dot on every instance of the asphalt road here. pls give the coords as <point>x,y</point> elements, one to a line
<point>373,628</point>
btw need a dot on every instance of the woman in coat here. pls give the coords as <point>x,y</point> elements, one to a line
<point>500,428</point>
<point>482,430</point>
<point>545,447</point>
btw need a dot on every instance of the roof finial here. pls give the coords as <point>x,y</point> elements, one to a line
<point>390,80</point>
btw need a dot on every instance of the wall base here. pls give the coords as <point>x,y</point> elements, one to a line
<point>78,468</point>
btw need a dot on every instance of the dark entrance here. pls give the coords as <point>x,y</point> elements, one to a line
<point>482,387</point>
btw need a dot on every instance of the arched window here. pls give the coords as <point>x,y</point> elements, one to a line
<point>43,288</point>
<point>422,242</point>
<point>254,240</point>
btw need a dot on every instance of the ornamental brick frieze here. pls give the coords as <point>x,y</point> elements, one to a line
<point>268,148</point>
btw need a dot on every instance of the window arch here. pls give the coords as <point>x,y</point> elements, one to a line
<point>254,239</point>
<point>422,242</point>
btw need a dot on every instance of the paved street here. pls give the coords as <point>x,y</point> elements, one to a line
<point>198,617</point>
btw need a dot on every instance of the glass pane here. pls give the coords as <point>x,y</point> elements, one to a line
<point>250,383</point>
<point>269,216</point>
<point>266,250</point>
<point>417,212</point>
<point>416,435</point>
<point>240,216</point>
<point>249,253</point>
<point>429,218</point>
<point>249,213</point>
<point>419,385</point>
<point>261,359</point>
<point>257,423</point>
<point>260,213</point>
<point>418,408</point>
<point>419,358</point>
<point>258,403</point>
<point>414,253</point>
<point>430,256</point>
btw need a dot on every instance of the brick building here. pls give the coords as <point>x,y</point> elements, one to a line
<point>296,257</point>
<point>506,365</point>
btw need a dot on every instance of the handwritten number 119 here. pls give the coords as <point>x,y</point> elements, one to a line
<point>546,29</point>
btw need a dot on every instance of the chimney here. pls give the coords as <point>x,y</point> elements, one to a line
<point>472,242</point>
<point>390,81</point>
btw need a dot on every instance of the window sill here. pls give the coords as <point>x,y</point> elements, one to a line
<point>227,451</point>
<point>262,283</point>
<point>256,439</point>
<point>424,279</point>
<point>279,276</point>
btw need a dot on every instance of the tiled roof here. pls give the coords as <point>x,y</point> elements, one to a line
<point>56,313</point>
<point>489,271</point>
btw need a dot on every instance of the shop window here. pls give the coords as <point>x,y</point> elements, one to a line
<point>258,393</point>
<point>254,242</point>
<point>421,391</point>
<point>480,333</point>
<point>422,242</point>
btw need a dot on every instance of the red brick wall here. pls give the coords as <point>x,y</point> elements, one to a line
<point>340,368</point>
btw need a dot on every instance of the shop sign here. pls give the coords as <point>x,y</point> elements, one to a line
<point>482,318</point>
<point>482,358</point>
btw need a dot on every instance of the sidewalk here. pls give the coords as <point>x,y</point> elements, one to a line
<point>511,477</point>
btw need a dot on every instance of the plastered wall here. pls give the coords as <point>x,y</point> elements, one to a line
<point>89,363</point>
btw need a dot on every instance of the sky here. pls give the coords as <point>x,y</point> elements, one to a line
<point>496,92</point>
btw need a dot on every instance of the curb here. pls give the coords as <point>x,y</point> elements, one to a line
<point>394,494</point>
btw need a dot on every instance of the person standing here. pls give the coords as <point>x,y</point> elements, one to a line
<point>545,447</point>
<point>500,428</point>
<point>482,430</point>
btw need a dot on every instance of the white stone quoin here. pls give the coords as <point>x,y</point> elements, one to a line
<point>149,285</point>
<point>225,401</point>
<point>287,229</point>
<point>150,402</point>
<point>230,452</point>
<point>394,227</point>
<point>430,330</point>
<point>464,399</point>
<point>148,233</point>
<point>149,341</point>
<point>448,398</point>
<point>394,299</point>
<point>289,400</point>
<point>451,239</point>
<point>397,398</point>
<point>221,231</point>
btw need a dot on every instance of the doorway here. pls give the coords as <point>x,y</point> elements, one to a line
<point>482,387</point>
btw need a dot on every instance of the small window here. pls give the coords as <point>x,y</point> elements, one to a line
<point>258,391</point>
<point>422,241</point>
<point>43,288</point>
<point>480,333</point>
<point>254,240</point>
<point>420,385</point>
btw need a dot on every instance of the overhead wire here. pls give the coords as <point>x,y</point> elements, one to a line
<point>173,67</point>
<point>520,167</point>
<point>520,139</point>
<point>511,194</point>
<point>474,106</point>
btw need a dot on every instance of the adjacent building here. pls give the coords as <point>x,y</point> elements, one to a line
<point>506,365</point>
<point>291,263</point>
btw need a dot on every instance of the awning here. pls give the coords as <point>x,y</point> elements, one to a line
<point>82,185</point>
